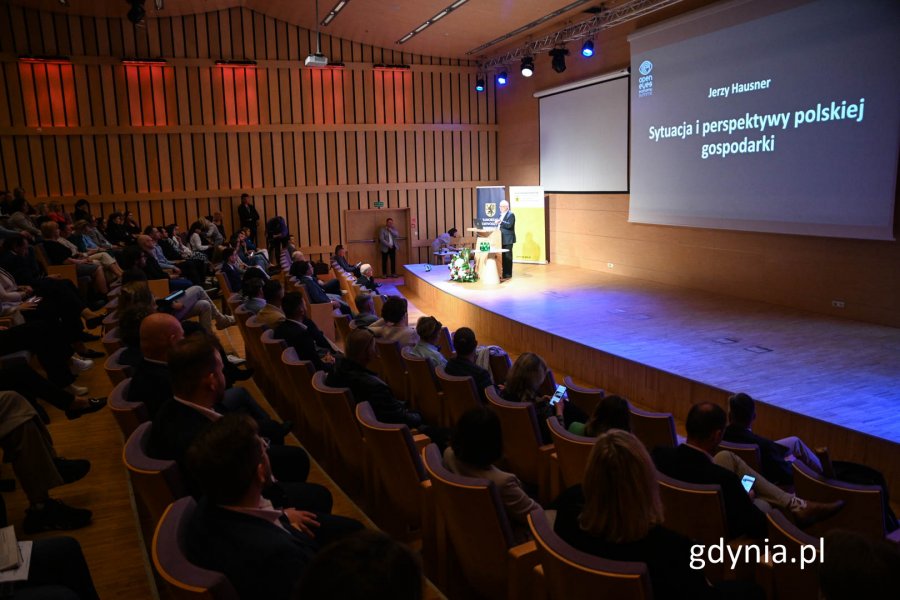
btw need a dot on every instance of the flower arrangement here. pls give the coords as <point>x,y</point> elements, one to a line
<point>461,268</point>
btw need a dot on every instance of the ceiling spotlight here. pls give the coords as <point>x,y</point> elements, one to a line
<point>502,79</point>
<point>587,49</point>
<point>558,61</point>
<point>479,84</point>
<point>136,13</point>
<point>527,66</point>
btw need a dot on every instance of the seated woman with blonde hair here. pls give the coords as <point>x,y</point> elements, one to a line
<point>617,514</point>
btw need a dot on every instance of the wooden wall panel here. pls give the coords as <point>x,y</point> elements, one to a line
<point>182,139</point>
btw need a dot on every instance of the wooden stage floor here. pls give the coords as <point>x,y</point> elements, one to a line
<point>842,372</point>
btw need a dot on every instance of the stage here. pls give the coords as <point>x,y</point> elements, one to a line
<point>833,381</point>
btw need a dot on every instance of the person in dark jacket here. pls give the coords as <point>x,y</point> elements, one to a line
<point>302,333</point>
<point>351,372</point>
<point>463,364</point>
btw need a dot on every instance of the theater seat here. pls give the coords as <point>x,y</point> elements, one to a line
<point>570,574</point>
<point>186,580</point>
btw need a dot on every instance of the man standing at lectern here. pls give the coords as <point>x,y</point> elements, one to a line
<point>507,228</point>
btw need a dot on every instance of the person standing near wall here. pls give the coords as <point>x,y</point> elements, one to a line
<point>248,216</point>
<point>387,237</point>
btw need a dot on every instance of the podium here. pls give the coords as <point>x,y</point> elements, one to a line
<point>486,262</point>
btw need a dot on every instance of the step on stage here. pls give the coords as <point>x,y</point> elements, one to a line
<point>831,381</point>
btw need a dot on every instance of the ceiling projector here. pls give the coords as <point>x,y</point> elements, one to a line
<point>316,60</point>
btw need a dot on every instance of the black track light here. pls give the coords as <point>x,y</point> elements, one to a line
<point>558,61</point>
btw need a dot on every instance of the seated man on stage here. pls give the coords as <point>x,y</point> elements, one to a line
<point>446,242</point>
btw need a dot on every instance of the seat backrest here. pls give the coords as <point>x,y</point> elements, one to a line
<point>445,344</point>
<point>655,430</point>
<point>585,398</point>
<point>158,287</point>
<point>792,581</point>
<point>116,371</point>
<point>393,367</point>
<point>572,452</point>
<point>272,349</point>
<point>128,415</point>
<point>476,523</point>
<point>500,366</point>
<point>425,395</point>
<point>521,435</point>
<point>341,325</point>
<point>574,575</point>
<point>693,510</point>
<point>863,511</point>
<point>303,403</point>
<point>111,340</point>
<point>224,287</point>
<point>749,453</point>
<point>185,579</point>
<point>396,464</point>
<point>253,340</point>
<point>460,395</point>
<point>338,405</point>
<point>157,483</point>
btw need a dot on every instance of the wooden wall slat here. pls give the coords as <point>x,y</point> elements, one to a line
<point>182,140</point>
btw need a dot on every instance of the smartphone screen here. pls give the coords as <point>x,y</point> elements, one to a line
<point>747,481</point>
<point>558,394</point>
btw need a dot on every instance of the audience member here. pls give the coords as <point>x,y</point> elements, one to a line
<point>365,316</point>
<point>339,258</point>
<point>617,514</point>
<point>428,329</point>
<point>27,445</point>
<point>523,384</point>
<point>276,237</point>
<point>475,446</point>
<point>116,231</point>
<point>694,462</point>
<point>236,529</point>
<point>57,571</point>
<point>612,412</point>
<point>366,278</point>
<point>316,292</point>
<point>252,292</point>
<point>463,364</point>
<point>248,216</point>
<point>392,325</point>
<point>198,395</point>
<point>351,372</point>
<point>303,335</point>
<point>59,254</point>
<point>363,566</point>
<point>855,567</point>
<point>271,314</point>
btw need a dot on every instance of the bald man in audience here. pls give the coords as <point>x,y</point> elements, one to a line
<point>151,383</point>
<point>696,461</point>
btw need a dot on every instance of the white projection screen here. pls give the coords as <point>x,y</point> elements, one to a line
<point>769,115</point>
<point>584,138</point>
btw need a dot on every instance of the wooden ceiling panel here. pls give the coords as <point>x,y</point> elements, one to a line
<point>376,22</point>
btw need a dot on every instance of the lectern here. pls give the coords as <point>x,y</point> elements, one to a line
<point>486,261</point>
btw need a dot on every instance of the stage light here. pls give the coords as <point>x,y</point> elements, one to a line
<point>587,49</point>
<point>479,84</point>
<point>502,79</point>
<point>527,66</point>
<point>558,61</point>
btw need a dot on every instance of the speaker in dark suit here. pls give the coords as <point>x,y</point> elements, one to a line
<point>507,236</point>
